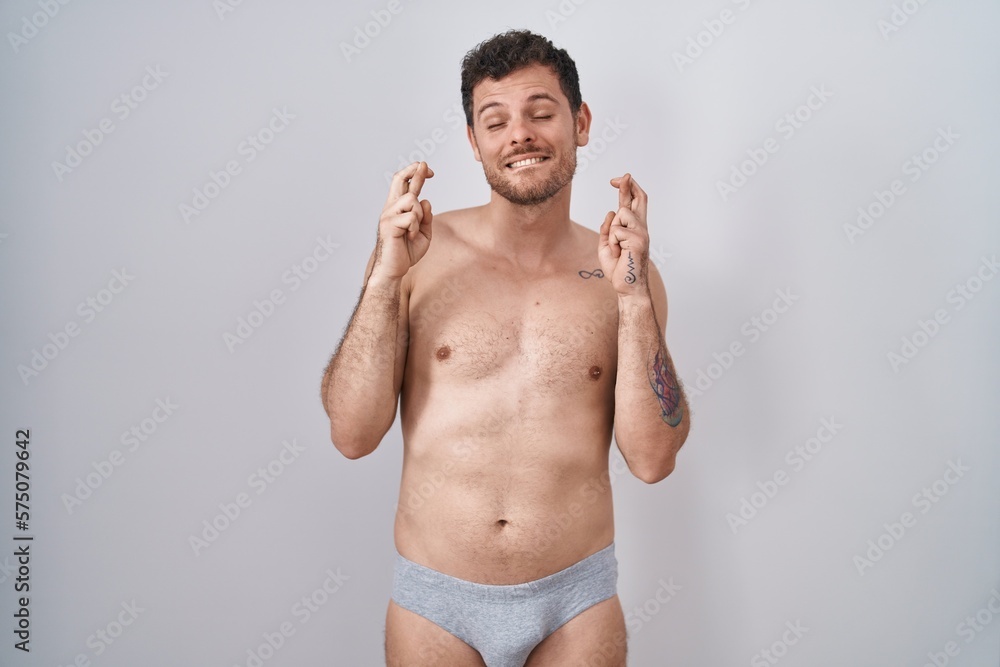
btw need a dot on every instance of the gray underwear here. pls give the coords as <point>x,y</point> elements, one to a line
<point>504,623</point>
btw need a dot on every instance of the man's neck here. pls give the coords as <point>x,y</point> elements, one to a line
<point>528,236</point>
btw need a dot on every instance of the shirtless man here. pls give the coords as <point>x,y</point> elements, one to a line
<point>514,342</point>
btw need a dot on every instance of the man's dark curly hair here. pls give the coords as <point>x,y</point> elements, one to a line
<point>502,54</point>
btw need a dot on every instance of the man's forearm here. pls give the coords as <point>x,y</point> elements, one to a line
<point>651,412</point>
<point>359,389</point>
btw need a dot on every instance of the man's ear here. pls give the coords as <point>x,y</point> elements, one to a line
<point>583,119</point>
<point>472,142</point>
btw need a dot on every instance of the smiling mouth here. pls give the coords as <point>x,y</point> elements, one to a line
<point>526,162</point>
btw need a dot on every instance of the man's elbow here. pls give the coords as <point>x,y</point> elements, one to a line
<point>652,475</point>
<point>353,452</point>
<point>353,446</point>
<point>356,436</point>
<point>659,468</point>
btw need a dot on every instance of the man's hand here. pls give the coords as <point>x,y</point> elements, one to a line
<point>624,245</point>
<point>404,229</point>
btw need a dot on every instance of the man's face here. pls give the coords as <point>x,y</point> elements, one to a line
<point>525,134</point>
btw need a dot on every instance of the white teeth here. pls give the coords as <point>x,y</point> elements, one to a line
<point>521,163</point>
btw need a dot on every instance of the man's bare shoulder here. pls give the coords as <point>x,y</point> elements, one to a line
<point>451,238</point>
<point>452,224</point>
<point>586,232</point>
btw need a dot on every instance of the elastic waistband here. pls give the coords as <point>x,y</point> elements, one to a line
<point>597,566</point>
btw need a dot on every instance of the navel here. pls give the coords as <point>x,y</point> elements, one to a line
<point>443,352</point>
<point>595,372</point>
<point>501,522</point>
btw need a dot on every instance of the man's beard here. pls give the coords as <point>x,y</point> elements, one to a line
<point>531,194</point>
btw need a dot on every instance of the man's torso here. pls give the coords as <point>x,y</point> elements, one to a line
<point>507,408</point>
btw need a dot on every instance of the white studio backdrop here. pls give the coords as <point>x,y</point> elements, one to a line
<point>190,194</point>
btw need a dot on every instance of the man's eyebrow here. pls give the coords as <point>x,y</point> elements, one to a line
<point>487,106</point>
<point>542,96</point>
<point>531,98</point>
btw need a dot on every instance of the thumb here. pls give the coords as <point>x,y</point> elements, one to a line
<point>425,224</point>
<point>606,229</point>
<point>603,243</point>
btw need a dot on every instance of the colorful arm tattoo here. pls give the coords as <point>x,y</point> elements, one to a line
<point>667,389</point>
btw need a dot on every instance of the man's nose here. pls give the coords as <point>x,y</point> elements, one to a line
<point>521,131</point>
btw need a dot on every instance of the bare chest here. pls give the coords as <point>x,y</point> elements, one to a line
<point>558,334</point>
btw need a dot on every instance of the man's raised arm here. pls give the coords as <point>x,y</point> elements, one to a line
<point>651,413</point>
<point>360,387</point>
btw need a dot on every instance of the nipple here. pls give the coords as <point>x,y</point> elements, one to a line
<point>443,352</point>
<point>595,372</point>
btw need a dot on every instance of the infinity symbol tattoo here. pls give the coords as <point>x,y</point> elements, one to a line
<point>596,273</point>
